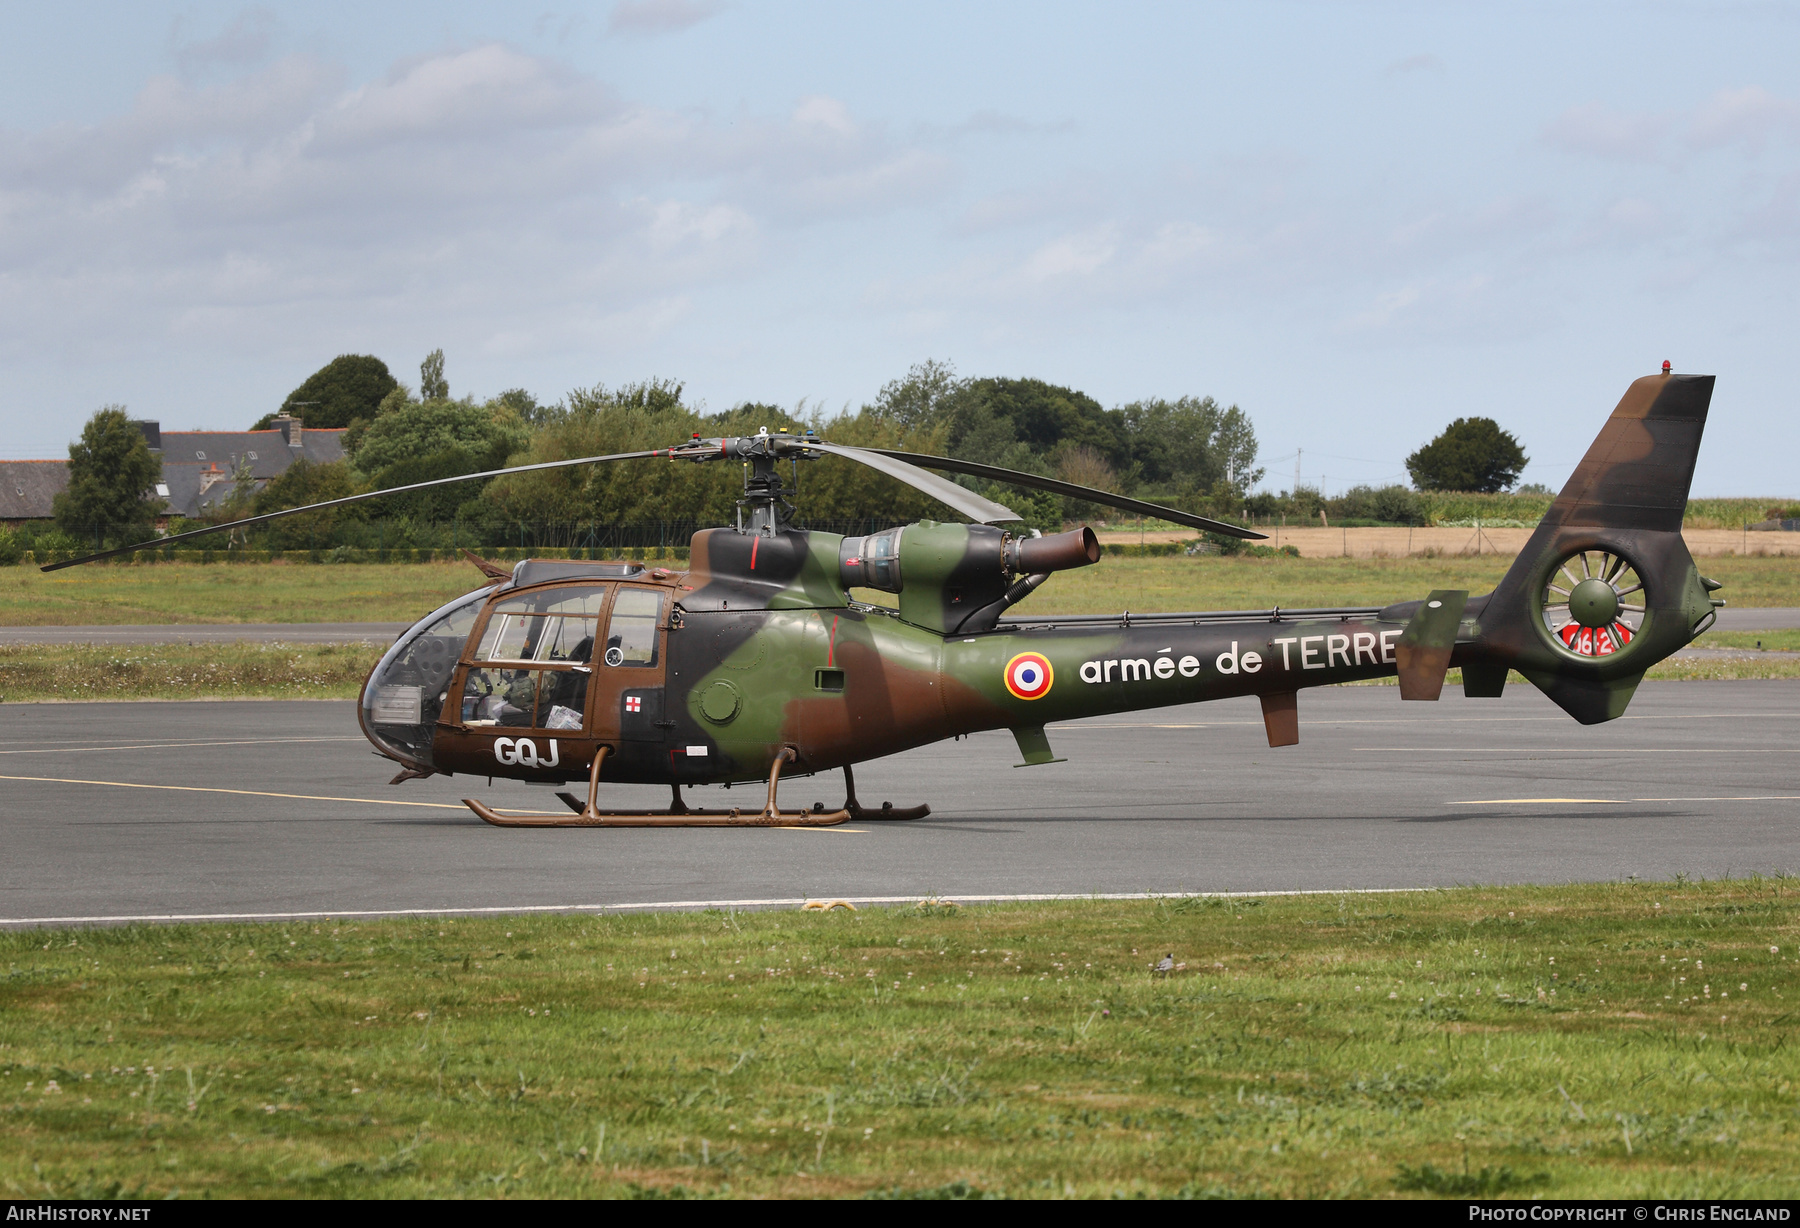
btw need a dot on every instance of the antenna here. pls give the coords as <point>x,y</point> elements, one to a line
<point>1297,471</point>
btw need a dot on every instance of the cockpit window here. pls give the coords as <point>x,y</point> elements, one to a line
<point>576,599</point>
<point>631,632</point>
<point>556,624</point>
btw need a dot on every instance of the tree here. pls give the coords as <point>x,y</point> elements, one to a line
<point>350,386</point>
<point>413,430</point>
<point>926,397</point>
<point>111,469</point>
<point>1191,445</point>
<point>303,483</point>
<point>1043,416</point>
<point>432,384</point>
<point>1472,454</point>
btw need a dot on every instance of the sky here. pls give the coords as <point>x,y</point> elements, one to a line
<point>1356,221</point>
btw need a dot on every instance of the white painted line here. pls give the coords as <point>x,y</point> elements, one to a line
<point>1620,801</point>
<point>1432,717</point>
<point>1588,750</point>
<point>694,905</point>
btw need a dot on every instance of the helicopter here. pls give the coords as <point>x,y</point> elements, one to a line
<point>757,660</point>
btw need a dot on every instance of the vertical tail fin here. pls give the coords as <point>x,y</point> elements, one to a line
<point>1616,523</point>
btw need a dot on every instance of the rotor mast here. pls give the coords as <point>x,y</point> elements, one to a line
<point>764,510</point>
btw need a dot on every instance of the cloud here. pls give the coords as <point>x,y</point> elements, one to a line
<point>1413,64</point>
<point>646,17</point>
<point>1749,117</point>
<point>244,42</point>
<point>1598,131</point>
<point>482,183</point>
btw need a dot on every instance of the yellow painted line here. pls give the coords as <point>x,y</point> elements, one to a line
<point>298,797</point>
<point>1620,801</point>
<point>65,750</point>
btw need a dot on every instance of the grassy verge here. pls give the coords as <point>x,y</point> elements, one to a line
<point>378,592</point>
<point>102,595</point>
<point>1599,1041</point>
<point>32,672</point>
<point>1772,641</point>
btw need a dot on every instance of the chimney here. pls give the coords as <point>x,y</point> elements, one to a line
<point>290,428</point>
<point>152,429</point>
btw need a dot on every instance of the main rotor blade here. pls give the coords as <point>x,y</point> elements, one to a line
<point>1013,477</point>
<point>897,465</point>
<point>372,494</point>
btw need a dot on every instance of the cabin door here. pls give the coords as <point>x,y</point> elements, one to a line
<point>625,699</point>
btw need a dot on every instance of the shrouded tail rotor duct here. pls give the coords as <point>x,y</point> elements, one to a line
<point>1594,603</point>
<point>1058,552</point>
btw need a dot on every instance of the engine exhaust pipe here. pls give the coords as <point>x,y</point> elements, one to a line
<point>1057,552</point>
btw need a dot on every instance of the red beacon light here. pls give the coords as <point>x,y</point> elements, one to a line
<point>1665,366</point>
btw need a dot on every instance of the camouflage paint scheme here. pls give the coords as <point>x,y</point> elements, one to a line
<point>763,623</point>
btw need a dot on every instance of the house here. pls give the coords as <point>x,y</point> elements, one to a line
<point>27,488</point>
<point>201,469</point>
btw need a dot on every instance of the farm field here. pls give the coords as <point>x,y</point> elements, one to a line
<point>1615,1040</point>
<point>401,592</point>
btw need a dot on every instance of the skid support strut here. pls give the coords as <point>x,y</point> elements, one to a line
<point>678,815</point>
<point>887,811</point>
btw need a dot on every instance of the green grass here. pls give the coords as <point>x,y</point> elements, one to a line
<point>402,592</point>
<point>1768,641</point>
<point>1622,1040</point>
<point>31,672</point>
<point>229,593</point>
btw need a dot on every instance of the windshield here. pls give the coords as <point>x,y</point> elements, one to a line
<point>406,691</point>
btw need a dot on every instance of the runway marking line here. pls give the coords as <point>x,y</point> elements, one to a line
<point>310,797</point>
<point>1401,720</point>
<point>1590,750</point>
<point>1620,801</point>
<point>298,797</point>
<point>691,905</point>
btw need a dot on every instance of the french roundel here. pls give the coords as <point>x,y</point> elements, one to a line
<point>1028,676</point>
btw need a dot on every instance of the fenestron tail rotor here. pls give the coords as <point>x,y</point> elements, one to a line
<point>1593,603</point>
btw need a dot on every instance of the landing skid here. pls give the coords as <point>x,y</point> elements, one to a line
<point>888,811</point>
<point>588,814</point>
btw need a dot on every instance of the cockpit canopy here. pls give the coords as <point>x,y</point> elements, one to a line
<point>406,692</point>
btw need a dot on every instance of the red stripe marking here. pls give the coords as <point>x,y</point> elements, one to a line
<point>754,543</point>
<point>831,648</point>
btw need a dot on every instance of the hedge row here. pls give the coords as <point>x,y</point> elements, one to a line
<point>351,554</point>
<point>1147,549</point>
<point>507,554</point>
